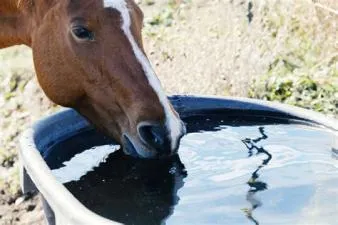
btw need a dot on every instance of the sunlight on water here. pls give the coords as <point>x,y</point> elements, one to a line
<point>285,174</point>
<point>83,162</point>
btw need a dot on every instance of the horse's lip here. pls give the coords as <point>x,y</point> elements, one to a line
<point>129,146</point>
<point>143,152</point>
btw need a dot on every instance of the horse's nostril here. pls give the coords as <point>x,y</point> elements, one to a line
<point>156,136</point>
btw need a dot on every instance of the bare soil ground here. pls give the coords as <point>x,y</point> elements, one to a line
<point>196,47</point>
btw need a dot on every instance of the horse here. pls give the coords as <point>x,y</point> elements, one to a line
<point>89,56</point>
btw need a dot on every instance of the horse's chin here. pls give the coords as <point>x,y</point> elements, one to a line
<point>136,149</point>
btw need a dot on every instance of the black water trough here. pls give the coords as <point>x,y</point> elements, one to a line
<point>46,147</point>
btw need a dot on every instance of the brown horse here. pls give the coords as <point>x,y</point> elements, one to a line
<point>88,55</point>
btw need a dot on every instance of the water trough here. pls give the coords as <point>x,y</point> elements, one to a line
<point>62,207</point>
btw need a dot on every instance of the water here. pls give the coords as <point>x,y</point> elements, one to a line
<point>228,171</point>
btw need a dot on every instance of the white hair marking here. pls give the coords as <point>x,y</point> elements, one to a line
<point>172,122</point>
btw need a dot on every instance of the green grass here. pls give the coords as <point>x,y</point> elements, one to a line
<point>299,90</point>
<point>165,17</point>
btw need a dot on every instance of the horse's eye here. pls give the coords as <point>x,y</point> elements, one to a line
<point>83,33</point>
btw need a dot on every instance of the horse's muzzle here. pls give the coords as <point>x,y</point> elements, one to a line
<point>155,136</point>
<point>152,141</point>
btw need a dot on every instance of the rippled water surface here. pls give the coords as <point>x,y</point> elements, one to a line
<point>224,174</point>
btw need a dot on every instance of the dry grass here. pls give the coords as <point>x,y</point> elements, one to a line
<point>21,103</point>
<point>211,48</point>
<point>299,40</point>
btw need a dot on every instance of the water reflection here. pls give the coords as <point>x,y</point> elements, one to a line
<point>256,185</point>
<point>334,153</point>
<point>132,191</point>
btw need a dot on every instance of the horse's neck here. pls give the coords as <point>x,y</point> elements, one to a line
<point>17,18</point>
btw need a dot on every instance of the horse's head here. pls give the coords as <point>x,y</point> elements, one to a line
<point>89,56</point>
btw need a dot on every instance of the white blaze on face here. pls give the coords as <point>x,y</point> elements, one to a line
<point>173,124</point>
